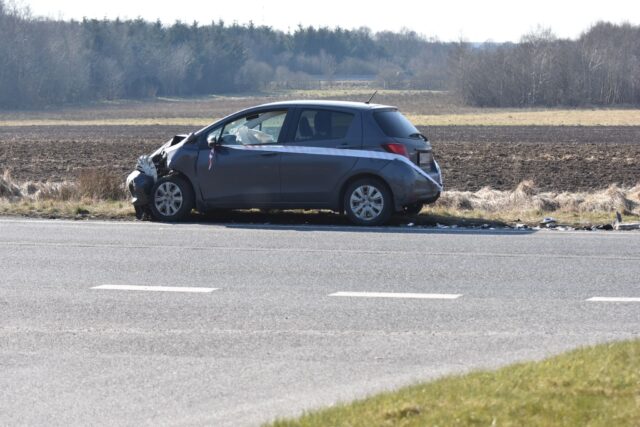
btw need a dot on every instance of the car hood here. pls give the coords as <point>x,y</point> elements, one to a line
<point>172,145</point>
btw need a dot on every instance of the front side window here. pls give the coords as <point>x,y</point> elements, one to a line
<point>214,134</point>
<point>316,125</point>
<point>257,128</point>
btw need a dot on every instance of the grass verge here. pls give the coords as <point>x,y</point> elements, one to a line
<point>97,193</point>
<point>595,386</point>
<point>100,193</point>
<point>74,209</point>
<point>526,204</point>
<point>531,218</point>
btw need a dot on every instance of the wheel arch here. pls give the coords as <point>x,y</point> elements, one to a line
<point>184,176</point>
<point>188,199</point>
<point>351,179</point>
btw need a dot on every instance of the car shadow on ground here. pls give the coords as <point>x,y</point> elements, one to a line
<point>330,221</point>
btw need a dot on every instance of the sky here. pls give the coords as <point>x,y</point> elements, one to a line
<point>452,20</point>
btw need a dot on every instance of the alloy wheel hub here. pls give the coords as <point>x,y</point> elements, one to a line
<point>168,198</point>
<point>366,202</point>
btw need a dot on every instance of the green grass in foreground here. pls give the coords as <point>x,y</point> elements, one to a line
<point>596,386</point>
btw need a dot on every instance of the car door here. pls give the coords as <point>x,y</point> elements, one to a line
<point>312,168</point>
<point>234,173</point>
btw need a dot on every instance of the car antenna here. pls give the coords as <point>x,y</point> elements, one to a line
<point>374,94</point>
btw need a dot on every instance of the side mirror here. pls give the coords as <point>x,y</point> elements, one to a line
<point>212,140</point>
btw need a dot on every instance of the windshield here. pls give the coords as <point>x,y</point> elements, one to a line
<point>395,125</point>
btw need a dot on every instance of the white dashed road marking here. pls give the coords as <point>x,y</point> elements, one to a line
<point>613,299</point>
<point>394,295</point>
<point>154,288</point>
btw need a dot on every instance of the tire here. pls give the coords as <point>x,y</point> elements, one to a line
<point>368,201</point>
<point>413,209</point>
<point>171,199</point>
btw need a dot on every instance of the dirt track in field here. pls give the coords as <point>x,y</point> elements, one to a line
<point>555,157</point>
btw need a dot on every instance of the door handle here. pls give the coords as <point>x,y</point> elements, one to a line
<point>269,154</point>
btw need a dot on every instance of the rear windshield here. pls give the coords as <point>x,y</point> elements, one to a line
<point>395,125</point>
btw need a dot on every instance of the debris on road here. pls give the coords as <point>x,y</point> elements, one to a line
<point>620,225</point>
<point>549,222</point>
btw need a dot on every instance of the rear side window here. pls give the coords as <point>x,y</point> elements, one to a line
<point>395,125</point>
<point>322,125</point>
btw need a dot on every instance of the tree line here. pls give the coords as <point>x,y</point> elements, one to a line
<point>601,67</point>
<point>49,62</point>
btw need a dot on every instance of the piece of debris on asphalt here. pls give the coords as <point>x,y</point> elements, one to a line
<point>620,225</point>
<point>549,222</point>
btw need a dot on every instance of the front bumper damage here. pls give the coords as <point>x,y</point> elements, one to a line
<point>149,168</point>
<point>140,183</point>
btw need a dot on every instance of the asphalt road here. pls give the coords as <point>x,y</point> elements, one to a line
<point>271,340</point>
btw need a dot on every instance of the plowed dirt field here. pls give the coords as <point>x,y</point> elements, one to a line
<point>567,158</point>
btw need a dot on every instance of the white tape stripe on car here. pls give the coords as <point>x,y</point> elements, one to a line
<point>339,153</point>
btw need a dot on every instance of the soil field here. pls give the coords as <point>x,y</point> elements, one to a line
<point>561,158</point>
<point>558,158</point>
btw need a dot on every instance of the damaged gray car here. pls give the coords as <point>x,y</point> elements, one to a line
<point>362,159</point>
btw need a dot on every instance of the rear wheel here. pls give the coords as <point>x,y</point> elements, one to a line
<point>171,199</point>
<point>367,201</point>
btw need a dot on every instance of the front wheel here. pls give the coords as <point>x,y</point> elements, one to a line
<point>367,201</point>
<point>171,199</point>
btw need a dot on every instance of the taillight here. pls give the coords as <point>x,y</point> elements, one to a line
<point>396,148</point>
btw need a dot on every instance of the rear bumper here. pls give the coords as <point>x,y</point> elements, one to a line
<point>410,186</point>
<point>430,192</point>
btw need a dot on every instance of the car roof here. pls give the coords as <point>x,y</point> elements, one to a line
<point>361,106</point>
<point>326,103</point>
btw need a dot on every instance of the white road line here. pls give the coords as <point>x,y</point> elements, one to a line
<point>613,299</point>
<point>394,295</point>
<point>154,288</point>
